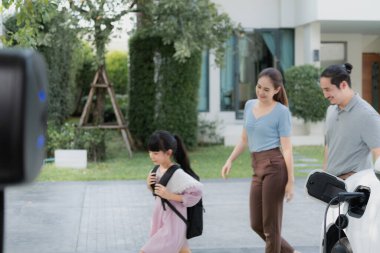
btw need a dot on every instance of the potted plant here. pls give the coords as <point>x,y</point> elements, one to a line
<point>72,146</point>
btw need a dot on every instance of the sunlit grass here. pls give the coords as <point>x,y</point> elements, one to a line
<point>206,161</point>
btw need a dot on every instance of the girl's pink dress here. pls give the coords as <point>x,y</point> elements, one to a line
<point>168,231</point>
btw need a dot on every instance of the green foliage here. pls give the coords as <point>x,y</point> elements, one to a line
<point>163,91</point>
<point>85,76</point>
<point>60,47</point>
<point>208,132</point>
<point>101,17</point>
<point>31,17</point>
<point>189,25</point>
<point>306,100</point>
<point>109,112</point>
<point>63,60</point>
<point>68,136</point>
<point>177,94</point>
<point>142,90</point>
<point>117,70</point>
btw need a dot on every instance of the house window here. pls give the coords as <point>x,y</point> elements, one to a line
<point>248,54</point>
<point>245,56</point>
<point>228,76</point>
<point>333,53</point>
<point>203,104</point>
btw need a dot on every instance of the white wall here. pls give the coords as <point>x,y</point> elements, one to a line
<point>252,13</point>
<point>307,39</point>
<point>348,10</point>
<point>287,13</point>
<point>306,11</point>
<point>371,44</point>
<point>354,55</point>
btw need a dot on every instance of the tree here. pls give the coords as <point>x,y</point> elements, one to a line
<point>100,16</point>
<point>191,26</point>
<point>40,25</point>
<point>92,17</point>
<point>30,19</point>
<point>165,57</point>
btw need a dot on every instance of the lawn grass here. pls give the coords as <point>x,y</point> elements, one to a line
<point>206,161</point>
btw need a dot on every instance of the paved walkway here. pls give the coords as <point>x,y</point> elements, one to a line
<point>114,217</point>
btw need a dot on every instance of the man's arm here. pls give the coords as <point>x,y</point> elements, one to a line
<point>325,156</point>
<point>375,153</point>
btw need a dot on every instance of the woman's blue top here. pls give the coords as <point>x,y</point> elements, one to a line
<point>264,132</point>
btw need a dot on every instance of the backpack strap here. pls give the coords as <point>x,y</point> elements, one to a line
<point>168,174</point>
<point>175,210</point>
<point>164,181</point>
<point>155,168</point>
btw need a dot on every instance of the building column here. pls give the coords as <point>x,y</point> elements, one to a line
<point>308,44</point>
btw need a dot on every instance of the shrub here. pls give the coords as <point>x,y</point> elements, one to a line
<point>109,112</point>
<point>68,136</point>
<point>117,70</point>
<point>208,132</point>
<point>306,100</point>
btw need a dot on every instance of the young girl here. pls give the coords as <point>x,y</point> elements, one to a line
<point>266,132</point>
<point>168,231</point>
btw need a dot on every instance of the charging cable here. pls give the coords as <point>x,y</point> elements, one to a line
<point>341,197</point>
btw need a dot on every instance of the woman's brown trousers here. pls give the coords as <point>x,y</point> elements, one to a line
<point>267,198</point>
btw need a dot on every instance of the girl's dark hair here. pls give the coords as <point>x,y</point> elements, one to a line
<point>162,140</point>
<point>277,80</point>
<point>338,73</point>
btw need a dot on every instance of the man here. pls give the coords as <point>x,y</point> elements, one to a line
<point>352,125</point>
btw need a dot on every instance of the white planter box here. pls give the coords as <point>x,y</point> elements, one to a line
<point>71,158</point>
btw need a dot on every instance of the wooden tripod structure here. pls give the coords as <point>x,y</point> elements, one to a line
<point>101,81</point>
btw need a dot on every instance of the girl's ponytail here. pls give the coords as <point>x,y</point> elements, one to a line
<point>181,157</point>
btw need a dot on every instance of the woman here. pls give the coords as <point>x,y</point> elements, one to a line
<point>266,132</point>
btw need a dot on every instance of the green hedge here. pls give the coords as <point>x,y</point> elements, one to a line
<point>163,92</point>
<point>178,92</point>
<point>306,100</point>
<point>142,90</point>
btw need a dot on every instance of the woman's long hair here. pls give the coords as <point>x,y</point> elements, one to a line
<point>276,77</point>
<point>162,140</point>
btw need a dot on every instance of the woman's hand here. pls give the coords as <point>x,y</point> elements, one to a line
<point>226,169</point>
<point>289,191</point>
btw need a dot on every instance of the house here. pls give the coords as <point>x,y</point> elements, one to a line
<point>283,33</point>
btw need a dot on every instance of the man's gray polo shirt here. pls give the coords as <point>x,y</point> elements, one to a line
<point>350,135</point>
